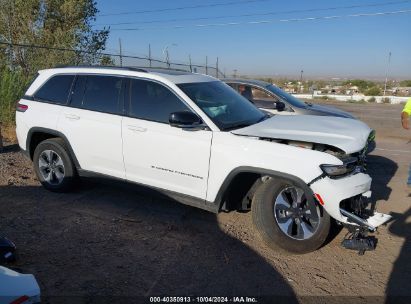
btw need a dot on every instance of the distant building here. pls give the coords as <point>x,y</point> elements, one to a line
<point>352,90</point>
<point>337,90</point>
<point>402,91</point>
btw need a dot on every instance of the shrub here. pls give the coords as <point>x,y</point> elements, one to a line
<point>385,100</point>
<point>325,97</point>
<point>12,85</point>
<point>374,91</point>
<point>372,99</point>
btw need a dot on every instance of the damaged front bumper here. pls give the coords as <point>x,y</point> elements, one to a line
<point>347,199</point>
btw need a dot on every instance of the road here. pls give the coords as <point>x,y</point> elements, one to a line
<point>113,240</point>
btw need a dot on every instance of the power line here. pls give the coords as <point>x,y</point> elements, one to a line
<point>63,49</point>
<point>259,14</point>
<point>182,8</point>
<point>266,21</point>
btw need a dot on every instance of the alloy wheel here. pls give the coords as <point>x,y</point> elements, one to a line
<point>51,167</point>
<point>295,216</point>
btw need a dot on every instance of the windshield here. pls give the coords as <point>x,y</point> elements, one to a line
<point>225,107</point>
<point>287,97</point>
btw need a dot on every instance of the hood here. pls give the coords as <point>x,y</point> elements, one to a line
<point>327,110</point>
<point>348,135</point>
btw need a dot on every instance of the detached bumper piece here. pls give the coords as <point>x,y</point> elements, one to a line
<point>363,221</point>
<point>371,222</point>
<point>359,241</point>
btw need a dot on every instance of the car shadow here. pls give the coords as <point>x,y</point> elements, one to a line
<point>399,284</point>
<point>10,148</point>
<point>382,170</point>
<point>111,242</point>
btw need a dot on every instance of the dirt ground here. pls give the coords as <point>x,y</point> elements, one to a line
<point>115,240</point>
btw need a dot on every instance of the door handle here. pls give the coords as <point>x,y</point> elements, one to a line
<point>72,116</point>
<point>136,128</point>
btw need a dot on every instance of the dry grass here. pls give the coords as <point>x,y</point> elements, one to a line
<point>9,133</point>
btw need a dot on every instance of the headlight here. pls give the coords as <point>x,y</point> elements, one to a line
<point>347,167</point>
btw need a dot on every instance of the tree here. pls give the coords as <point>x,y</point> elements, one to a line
<point>405,83</point>
<point>106,60</point>
<point>362,85</point>
<point>62,24</point>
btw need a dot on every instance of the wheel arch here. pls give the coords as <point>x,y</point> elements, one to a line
<point>248,179</point>
<point>38,134</point>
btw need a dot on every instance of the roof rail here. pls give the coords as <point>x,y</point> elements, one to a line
<point>103,67</point>
<point>165,69</point>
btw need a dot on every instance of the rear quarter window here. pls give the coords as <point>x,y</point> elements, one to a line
<point>56,89</point>
<point>98,93</point>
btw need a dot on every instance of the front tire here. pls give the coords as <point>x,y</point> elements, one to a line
<point>53,165</point>
<point>288,218</point>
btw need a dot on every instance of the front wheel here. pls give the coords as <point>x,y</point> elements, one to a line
<point>287,217</point>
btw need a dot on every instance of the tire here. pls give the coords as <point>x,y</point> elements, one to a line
<point>297,228</point>
<point>59,174</point>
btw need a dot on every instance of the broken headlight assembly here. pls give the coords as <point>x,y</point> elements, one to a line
<point>349,166</point>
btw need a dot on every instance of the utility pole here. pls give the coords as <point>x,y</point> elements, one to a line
<point>206,65</point>
<point>191,67</point>
<point>216,68</point>
<point>301,80</point>
<point>386,72</point>
<point>121,54</point>
<point>149,54</point>
<point>167,58</point>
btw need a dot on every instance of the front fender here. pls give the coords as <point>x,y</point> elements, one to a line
<point>231,154</point>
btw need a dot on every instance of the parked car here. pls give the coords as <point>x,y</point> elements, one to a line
<point>272,99</point>
<point>193,138</point>
<point>18,288</point>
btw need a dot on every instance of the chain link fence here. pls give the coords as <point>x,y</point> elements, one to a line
<point>47,57</point>
<point>149,62</point>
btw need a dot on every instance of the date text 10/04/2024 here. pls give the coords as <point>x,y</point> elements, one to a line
<point>203,299</point>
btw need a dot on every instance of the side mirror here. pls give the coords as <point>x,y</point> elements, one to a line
<point>279,106</point>
<point>185,120</point>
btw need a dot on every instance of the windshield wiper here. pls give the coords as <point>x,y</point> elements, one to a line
<point>237,126</point>
<point>266,116</point>
<point>243,125</point>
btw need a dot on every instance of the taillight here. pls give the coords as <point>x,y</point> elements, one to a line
<point>21,107</point>
<point>20,300</point>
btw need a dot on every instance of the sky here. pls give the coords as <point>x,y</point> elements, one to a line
<point>266,42</point>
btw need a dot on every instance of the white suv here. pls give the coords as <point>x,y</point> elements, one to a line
<point>195,139</point>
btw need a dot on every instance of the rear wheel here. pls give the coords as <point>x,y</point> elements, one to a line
<point>288,218</point>
<point>53,165</point>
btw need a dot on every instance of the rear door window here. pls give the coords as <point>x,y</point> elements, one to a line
<point>98,93</point>
<point>56,89</point>
<point>152,101</point>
